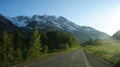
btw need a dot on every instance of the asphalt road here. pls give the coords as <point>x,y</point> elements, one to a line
<point>77,58</point>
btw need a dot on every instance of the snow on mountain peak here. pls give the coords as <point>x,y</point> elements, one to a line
<point>60,22</point>
<point>62,19</point>
<point>36,18</point>
<point>20,21</point>
<point>42,21</point>
<point>52,23</point>
<point>87,28</point>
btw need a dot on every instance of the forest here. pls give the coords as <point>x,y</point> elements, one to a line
<point>16,47</point>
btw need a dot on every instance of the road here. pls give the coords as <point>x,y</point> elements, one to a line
<point>76,58</point>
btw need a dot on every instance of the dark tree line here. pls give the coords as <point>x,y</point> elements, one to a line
<point>15,47</point>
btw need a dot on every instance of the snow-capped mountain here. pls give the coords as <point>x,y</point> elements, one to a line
<point>20,21</point>
<point>45,20</point>
<point>60,22</point>
<point>52,23</point>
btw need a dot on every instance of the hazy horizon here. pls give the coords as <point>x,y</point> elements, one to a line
<point>102,15</point>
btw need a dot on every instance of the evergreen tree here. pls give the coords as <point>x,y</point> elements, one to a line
<point>18,46</point>
<point>25,47</point>
<point>35,45</point>
<point>7,47</point>
<point>44,39</point>
<point>17,40</point>
<point>69,40</point>
<point>45,49</point>
<point>64,46</point>
<point>18,55</point>
<point>1,51</point>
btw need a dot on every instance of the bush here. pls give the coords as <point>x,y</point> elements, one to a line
<point>64,46</point>
<point>45,49</point>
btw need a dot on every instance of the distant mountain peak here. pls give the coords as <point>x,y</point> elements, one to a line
<point>7,25</point>
<point>117,35</point>
<point>0,14</point>
<point>53,23</point>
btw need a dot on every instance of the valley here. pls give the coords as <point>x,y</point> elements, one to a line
<point>59,33</point>
<point>29,38</point>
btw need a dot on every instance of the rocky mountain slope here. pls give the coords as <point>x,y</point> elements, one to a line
<point>47,23</point>
<point>7,25</point>
<point>117,35</point>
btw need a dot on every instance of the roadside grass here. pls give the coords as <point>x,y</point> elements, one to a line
<point>4,65</point>
<point>42,56</point>
<point>108,50</point>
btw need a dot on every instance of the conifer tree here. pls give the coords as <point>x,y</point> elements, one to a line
<point>7,47</point>
<point>1,51</point>
<point>35,45</point>
<point>44,39</point>
<point>18,55</point>
<point>18,46</point>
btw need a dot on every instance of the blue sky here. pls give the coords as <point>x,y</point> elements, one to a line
<point>103,15</point>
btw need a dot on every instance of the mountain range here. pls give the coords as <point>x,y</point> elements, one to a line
<point>117,35</point>
<point>46,23</point>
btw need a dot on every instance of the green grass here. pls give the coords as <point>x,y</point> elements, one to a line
<point>108,50</point>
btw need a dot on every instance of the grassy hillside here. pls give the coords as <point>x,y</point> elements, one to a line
<point>106,49</point>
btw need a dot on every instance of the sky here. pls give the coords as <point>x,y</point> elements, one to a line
<point>103,15</point>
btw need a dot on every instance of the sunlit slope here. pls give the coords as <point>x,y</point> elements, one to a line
<point>107,49</point>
